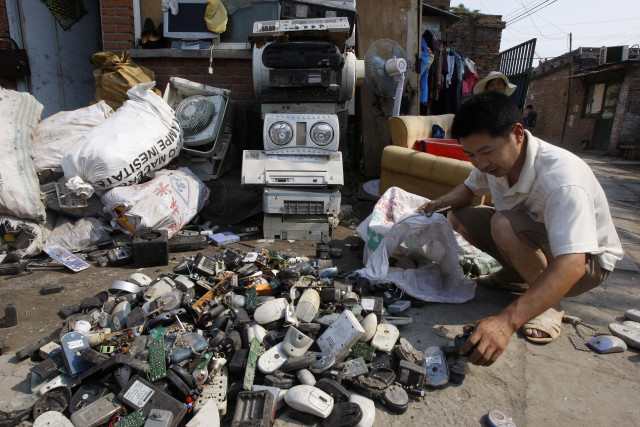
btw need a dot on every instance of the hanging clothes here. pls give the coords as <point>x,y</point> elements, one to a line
<point>438,69</point>
<point>424,72</point>
<point>470,79</point>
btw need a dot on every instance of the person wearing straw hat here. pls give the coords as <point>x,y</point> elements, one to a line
<point>494,82</point>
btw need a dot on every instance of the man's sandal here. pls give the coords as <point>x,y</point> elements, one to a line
<point>547,322</point>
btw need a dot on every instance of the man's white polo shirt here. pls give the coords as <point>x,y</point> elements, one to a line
<point>558,189</point>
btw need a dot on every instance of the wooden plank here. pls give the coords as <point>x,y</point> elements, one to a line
<point>399,21</point>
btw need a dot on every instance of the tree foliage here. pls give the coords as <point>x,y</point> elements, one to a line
<point>461,8</point>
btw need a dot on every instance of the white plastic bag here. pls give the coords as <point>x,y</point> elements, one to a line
<point>77,235</point>
<point>394,226</point>
<point>19,187</point>
<point>141,137</point>
<point>167,202</point>
<point>30,235</point>
<point>55,135</point>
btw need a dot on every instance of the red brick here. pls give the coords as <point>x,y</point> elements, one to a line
<point>124,12</point>
<point>116,3</point>
<point>108,11</point>
<point>118,37</point>
<point>109,28</point>
<point>116,20</point>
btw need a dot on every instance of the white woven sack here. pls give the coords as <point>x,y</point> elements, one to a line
<point>167,202</point>
<point>19,188</point>
<point>55,135</point>
<point>395,227</point>
<point>141,137</point>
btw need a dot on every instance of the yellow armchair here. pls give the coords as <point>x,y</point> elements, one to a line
<point>405,130</point>
<point>421,173</point>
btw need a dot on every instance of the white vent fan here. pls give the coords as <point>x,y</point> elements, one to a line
<point>199,119</point>
<point>385,66</point>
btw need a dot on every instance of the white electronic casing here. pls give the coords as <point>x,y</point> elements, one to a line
<point>308,305</point>
<point>255,331</point>
<point>139,279</point>
<point>270,311</point>
<point>162,286</point>
<point>306,377</point>
<point>295,343</point>
<point>298,227</point>
<point>293,201</point>
<point>309,399</point>
<point>286,170</point>
<point>272,359</point>
<point>385,337</point>
<point>319,25</point>
<point>216,391</point>
<point>341,335</point>
<point>208,416</point>
<point>370,325</point>
<point>368,409</point>
<point>301,142</point>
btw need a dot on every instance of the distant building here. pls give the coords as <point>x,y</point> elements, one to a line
<point>589,99</point>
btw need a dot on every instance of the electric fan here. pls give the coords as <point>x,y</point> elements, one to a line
<point>199,119</point>
<point>385,65</point>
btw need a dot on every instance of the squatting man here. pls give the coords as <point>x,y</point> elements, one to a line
<point>550,229</point>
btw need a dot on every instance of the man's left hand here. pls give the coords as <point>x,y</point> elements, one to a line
<point>490,337</point>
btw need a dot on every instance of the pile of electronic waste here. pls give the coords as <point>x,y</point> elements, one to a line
<point>233,338</point>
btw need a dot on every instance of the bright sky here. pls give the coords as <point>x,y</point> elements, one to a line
<point>593,23</point>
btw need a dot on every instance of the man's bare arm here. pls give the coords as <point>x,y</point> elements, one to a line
<point>458,196</point>
<point>493,333</point>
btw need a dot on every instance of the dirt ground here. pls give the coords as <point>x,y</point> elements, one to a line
<point>536,385</point>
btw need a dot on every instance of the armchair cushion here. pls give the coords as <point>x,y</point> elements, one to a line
<point>405,130</point>
<point>422,173</point>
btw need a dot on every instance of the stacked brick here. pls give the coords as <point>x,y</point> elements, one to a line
<point>478,37</point>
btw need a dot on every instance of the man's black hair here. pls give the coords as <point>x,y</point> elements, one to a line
<point>530,106</point>
<point>491,113</point>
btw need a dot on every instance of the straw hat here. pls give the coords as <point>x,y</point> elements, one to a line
<point>481,86</point>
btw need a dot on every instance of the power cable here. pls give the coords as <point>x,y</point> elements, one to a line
<point>518,10</point>
<point>519,18</point>
<point>526,11</point>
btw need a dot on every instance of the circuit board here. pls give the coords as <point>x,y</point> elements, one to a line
<point>134,419</point>
<point>362,350</point>
<point>252,360</point>
<point>251,297</point>
<point>157,360</point>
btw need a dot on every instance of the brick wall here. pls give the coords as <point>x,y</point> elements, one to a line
<point>232,74</point>
<point>478,37</point>
<point>5,82</point>
<point>626,123</point>
<point>118,31</point>
<point>548,95</point>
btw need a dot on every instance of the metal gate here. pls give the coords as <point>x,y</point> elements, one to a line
<point>515,63</point>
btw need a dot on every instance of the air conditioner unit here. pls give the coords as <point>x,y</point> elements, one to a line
<point>613,54</point>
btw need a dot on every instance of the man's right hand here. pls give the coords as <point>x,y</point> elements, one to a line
<point>429,207</point>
